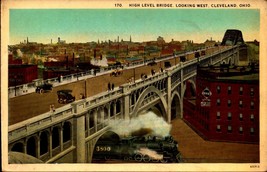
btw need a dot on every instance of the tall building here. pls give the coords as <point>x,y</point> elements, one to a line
<point>227,103</point>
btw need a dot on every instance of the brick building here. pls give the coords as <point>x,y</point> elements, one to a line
<point>227,104</point>
<point>21,74</point>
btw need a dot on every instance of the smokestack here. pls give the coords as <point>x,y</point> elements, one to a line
<point>27,40</point>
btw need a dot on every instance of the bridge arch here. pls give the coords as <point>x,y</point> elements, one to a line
<point>189,89</point>
<point>175,105</point>
<point>18,147</point>
<point>107,140</point>
<point>32,146</point>
<point>44,142</point>
<point>230,61</point>
<point>149,91</point>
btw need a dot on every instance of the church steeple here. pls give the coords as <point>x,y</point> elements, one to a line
<point>130,38</point>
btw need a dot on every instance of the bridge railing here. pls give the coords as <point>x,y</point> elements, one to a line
<point>37,123</point>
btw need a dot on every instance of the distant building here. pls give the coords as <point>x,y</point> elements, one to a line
<point>21,74</point>
<point>60,41</point>
<point>12,61</point>
<point>226,107</point>
<point>210,43</point>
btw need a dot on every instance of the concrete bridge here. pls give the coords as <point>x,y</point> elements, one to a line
<point>70,133</point>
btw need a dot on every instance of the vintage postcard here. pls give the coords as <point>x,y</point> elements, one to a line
<point>133,85</point>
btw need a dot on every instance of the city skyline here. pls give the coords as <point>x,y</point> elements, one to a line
<point>87,25</point>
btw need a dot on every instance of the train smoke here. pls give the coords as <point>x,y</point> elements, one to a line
<point>19,53</point>
<point>145,124</point>
<point>101,62</point>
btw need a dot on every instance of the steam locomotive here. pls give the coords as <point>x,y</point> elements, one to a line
<point>139,149</point>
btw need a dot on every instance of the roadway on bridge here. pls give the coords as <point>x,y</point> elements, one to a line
<point>33,104</point>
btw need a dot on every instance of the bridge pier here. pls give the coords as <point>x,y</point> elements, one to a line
<point>79,133</point>
<point>169,96</point>
<point>126,101</point>
<point>79,139</point>
<point>182,91</point>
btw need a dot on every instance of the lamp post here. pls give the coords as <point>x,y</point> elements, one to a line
<point>77,72</point>
<point>15,77</point>
<point>134,73</point>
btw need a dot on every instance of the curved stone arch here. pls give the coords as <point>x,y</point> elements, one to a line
<point>94,141</point>
<point>161,84</point>
<point>44,141</point>
<point>67,131</point>
<point>106,111</point>
<point>190,81</point>
<point>132,98</point>
<point>223,62</point>
<point>176,93</point>
<point>230,61</point>
<point>22,142</point>
<point>55,132</point>
<point>31,144</point>
<point>118,104</point>
<point>148,90</point>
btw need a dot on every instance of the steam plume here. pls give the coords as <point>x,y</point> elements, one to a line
<point>145,124</point>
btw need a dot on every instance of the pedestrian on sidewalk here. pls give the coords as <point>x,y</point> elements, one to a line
<point>109,86</point>
<point>112,86</point>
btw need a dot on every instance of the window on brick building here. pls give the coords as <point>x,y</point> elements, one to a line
<point>240,130</point>
<point>252,105</point>
<point>241,117</point>
<point>218,115</point>
<point>229,117</point>
<point>229,90</point>
<point>218,129</point>
<point>218,89</point>
<point>251,130</point>
<point>240,103</point>
<point>240,90</point>
<point>229,103</point>
<point>251,91</point>
<point>229,129</point>
<point>218,102</point>
<point>252,117</point>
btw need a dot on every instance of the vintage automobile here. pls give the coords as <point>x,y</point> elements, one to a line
<point>116,72</point>
<point>44,88</point>
<point>65,96</point>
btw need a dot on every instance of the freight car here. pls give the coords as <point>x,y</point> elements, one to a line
<point>139,149</point>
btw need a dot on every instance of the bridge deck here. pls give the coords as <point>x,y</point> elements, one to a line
<point>33,104</point>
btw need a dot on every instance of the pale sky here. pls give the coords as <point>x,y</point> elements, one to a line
<point>86,25</point>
